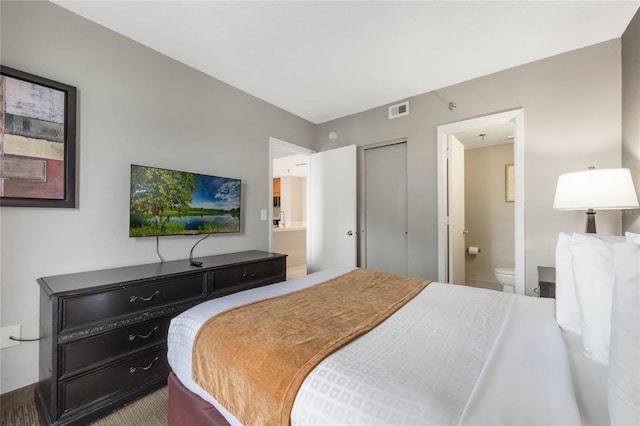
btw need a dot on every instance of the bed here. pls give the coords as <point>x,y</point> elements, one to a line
<point>450,355</point>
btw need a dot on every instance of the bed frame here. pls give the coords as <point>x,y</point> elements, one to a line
<point>187,408</point>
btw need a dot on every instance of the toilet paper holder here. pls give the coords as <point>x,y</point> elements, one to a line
<point>473,251</point>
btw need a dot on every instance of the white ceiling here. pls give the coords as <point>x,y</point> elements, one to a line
<point>291,165</point>
<point>323,60</point>
<point>481,137</point>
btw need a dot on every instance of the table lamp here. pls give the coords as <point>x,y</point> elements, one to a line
<point>595,189</point>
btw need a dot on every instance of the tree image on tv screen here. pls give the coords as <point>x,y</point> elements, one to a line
<point>169,202</point>
<point>160,192</point>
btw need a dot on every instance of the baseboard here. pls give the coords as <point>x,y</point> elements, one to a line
<point>18,396</point>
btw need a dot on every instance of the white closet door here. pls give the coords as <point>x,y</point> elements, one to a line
<point>332,209</point>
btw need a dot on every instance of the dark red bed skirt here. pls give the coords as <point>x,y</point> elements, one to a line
<point>188,409</point>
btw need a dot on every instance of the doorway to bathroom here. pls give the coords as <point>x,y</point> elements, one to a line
<point>475,239</point>
<point>482,204</point>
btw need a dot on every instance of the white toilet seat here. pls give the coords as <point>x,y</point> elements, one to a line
<point>505,271</point>
<point>507,277</point>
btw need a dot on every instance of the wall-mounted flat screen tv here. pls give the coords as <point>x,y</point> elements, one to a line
<point>170,202</point>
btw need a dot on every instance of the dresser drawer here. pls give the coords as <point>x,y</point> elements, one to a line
<point>248,276</point>
<point>136,371</point>
<point>82,310</point>
<point>85,352</point>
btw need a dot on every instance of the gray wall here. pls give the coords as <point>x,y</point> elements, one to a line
<point>631,113</point>
<point>135,106</point>
<point>572,108</point>
<point>488,217</point>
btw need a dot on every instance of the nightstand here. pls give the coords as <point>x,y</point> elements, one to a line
<point>547,281</point>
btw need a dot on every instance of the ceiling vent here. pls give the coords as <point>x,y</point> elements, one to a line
<point>399,110</point>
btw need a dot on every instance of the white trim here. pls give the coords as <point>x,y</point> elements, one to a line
<point>517,118</point>
<point>294,149</point>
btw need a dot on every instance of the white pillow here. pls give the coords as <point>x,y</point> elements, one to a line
<point>593,275</point>
<point>632,238</point>
<point>567,311</point>
<point>624,365</point>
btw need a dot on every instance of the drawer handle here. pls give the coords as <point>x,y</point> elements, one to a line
<point>250,274</point>
<point>133,369</point>
<point>144,299</point>
<point>133,337</point>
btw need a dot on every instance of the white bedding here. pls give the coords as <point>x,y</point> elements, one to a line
<point>590,380</point>
<point>452,355</point>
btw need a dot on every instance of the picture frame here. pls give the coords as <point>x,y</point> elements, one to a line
<point>37,141</point>
<point>509,179</point>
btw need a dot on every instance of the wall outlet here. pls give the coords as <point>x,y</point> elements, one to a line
<point>5,332</point>
<point>263,214</point>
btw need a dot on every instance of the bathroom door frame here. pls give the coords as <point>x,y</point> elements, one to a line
<point>516,117</point>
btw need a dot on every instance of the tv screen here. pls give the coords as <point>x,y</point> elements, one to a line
<point>170,202</point>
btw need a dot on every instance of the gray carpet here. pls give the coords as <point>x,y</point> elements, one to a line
<point>18,408</point>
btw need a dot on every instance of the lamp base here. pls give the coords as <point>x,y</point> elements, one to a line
<point>591,222</point>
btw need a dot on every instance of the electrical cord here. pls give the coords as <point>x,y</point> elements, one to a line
<point>196,262</point>
<point>158,248</point>
<point>15,339</point>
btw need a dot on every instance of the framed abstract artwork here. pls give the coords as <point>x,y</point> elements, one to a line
<point>37,141</point>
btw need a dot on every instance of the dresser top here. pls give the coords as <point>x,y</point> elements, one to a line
<point>69,284</point>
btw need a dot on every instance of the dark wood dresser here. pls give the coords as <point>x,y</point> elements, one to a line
<point>105,332</point>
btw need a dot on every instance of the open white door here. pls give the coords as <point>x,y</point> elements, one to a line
<point>457,231</point>
<point>331,238</point>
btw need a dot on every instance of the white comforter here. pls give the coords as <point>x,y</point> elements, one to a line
<point>452,355</point>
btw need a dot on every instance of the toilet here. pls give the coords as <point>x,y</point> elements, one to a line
<point>507,277</point>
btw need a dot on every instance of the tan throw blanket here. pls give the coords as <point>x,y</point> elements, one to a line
<point>252,359</point>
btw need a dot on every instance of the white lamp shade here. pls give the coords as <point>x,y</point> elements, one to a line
<point>602,189</point>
